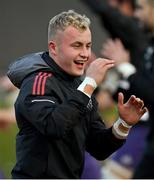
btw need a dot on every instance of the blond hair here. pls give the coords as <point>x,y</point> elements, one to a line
<point>65,19</point>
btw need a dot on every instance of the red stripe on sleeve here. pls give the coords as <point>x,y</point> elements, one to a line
<point>35,84</point>
<point>40,82</point>
<point>44,82</point>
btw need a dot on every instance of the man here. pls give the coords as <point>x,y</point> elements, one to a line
<point>139,81</point>
<point>56,113</point>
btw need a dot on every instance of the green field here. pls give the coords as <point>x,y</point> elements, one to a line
<point>7,150</point>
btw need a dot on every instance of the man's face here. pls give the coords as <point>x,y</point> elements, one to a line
<point>72,50</point>
<point>145,13</point>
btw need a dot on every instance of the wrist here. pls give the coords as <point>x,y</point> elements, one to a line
<point>87,86</point>
<point>121,129</point>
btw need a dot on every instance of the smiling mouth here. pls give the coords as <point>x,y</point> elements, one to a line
<point>80,62</point>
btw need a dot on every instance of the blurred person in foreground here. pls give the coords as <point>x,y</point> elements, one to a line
<point>57,113</point>
<point>139,81</point>
<point>117,18</point>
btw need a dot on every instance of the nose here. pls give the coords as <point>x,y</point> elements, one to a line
<point>84,53</point>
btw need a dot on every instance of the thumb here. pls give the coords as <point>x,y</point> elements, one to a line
<point>120,98</point>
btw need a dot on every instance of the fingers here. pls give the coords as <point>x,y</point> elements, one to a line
<point>104,63</point>
<point>143,110</point>
<point>98,68</point>
<point>108,66</point>
<point>120,98</point>
<point>138,103</point>
<point>131,100</point>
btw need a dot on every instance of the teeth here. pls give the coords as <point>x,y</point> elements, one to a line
<point>81,62</point>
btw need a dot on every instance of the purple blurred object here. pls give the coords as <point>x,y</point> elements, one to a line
<point>130,154</point>
<point>92,168</point>
<point>2,175</point>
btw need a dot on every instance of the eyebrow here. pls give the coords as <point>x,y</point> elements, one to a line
<point>78,42</point>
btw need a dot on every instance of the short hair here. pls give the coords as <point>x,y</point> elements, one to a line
<point>65,19</point>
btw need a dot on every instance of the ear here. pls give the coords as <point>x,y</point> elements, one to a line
<point>52,47</point>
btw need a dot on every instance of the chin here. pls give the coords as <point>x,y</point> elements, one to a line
<point>78,73</point>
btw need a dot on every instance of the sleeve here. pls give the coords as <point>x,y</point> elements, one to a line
<point>40,105</point>
<point>101,142</point>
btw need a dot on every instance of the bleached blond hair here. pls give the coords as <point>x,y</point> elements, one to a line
<point>65,19</point>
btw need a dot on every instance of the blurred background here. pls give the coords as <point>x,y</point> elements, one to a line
<point>23,30</point>
<point>24,26</point>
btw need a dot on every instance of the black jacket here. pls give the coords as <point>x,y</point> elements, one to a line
<point>57,123</point>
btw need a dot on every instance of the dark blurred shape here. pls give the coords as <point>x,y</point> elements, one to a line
<point>121,25</point>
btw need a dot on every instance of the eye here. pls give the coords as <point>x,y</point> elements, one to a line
<point>76,45</point>
<point>88,46</point>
